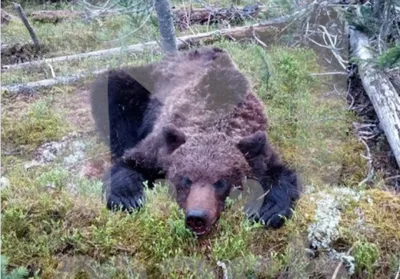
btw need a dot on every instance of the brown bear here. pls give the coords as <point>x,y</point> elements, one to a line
<point>192,119</point>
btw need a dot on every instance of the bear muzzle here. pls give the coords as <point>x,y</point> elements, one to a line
<point>199,221</point>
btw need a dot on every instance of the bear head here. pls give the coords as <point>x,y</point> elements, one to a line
<point>204,168</point>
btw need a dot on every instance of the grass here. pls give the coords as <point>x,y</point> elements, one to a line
<point>26,126</point>
<point>116,31</point>
<point>47,226</point>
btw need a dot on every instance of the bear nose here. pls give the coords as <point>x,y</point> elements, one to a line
<point>196,220</point>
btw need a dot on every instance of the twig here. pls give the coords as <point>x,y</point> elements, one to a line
<point>53,75</point>
<point>329,74</point>
<point>336,272</point>
<point>398,273</point>
<point>369,158</point>
<point>258,39</point>
<point>392,177</point>
<point>27,24</point>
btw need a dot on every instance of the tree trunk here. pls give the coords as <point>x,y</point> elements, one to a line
<point>380,90</point>
<point>166,26</point>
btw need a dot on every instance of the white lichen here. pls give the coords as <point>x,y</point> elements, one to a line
<point>53,151</point>
<point>325,230</point>
<point>348,261</point>
<point>4,182</point>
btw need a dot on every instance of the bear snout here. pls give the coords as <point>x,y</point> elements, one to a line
<point>196,220</point>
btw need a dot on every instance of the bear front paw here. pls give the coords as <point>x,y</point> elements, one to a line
<point>123,188</point>
<point>125,202</point>
<point>275,209</point>
<point>273,214</point>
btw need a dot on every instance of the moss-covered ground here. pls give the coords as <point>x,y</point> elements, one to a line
<point>54,221</point>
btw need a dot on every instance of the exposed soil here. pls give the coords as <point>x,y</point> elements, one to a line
<point>22,53</point>
<point>383,160</point>
<point>77,107</point>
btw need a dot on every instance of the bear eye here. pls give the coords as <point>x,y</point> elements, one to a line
<point>185,181</point>
<point>222,183</point>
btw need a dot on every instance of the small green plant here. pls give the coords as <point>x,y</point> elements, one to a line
<point>55,178</point>
<point>17,273</point>
<point>366,255</point>
<point>390,58</point>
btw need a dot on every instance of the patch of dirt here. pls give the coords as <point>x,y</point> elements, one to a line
<point>76,106</point>
<point>77,109</point>
<point>96,167</point>
<point>21,53</point>
<point>383,160</point>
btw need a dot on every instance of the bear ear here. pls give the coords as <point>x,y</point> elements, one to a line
<point>173,137</point>
<point>253,145</point>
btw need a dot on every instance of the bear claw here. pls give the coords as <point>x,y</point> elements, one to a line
<point>126,203</point>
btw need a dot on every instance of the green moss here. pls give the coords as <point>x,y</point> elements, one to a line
<point>31,126</point>
<point>366,255</point>
<point>49,227</point>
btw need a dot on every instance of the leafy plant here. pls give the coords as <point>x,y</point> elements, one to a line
<point>366,255</point>
<point>390,58</point>
<point>17,273</point>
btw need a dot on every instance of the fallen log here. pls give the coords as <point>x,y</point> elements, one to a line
<point>380,90</point>
<point>272,25</point>
<point>183,17</point>
<point>182,42</point>
<point>31,86</point>
<point>53,16</point>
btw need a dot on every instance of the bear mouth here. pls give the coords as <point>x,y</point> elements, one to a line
<point>202,232</point>
<point>207,229</point>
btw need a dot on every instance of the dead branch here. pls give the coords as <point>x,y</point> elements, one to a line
<point>398,273</point>
<point>330,42</point>
<point>380,91</point>
<point>182,42</point>
<point>329,74</point>
<point>184,18</point>
<point>337,269</point>
<point>369,159</point>
<point>27,24</point>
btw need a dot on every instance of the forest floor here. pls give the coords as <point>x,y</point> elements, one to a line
<point>54,221</point>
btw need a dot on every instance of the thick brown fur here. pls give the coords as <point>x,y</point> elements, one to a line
<point>210,133</point>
